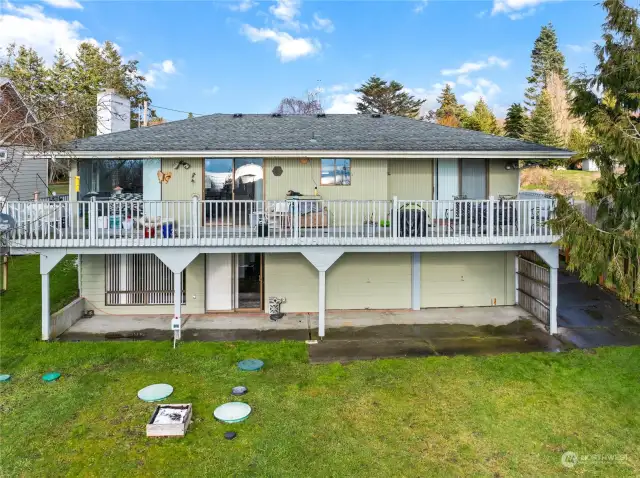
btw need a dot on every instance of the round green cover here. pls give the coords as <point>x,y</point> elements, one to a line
<point>155,393</point>
<point>232,412</point>
<point>51,376</point>
<point>250,365</point>
<point>5,377</point>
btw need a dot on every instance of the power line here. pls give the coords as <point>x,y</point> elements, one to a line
<point>177,111</point>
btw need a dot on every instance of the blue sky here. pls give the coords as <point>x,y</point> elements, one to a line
<point>244,55</point>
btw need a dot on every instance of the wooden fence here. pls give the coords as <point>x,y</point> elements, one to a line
<point>533,285</point>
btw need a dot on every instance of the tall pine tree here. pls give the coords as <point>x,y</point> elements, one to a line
<point>515,125</point>
<point>382,97</point>
<point>482,119</point>
<point>541,125</point>
<point>450,112</point>
<point>608,101</point>
<point>546,58</point>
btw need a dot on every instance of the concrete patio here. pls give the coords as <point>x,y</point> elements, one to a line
<point>297,326</point>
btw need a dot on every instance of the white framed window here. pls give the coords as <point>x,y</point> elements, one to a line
<point>139,279</point>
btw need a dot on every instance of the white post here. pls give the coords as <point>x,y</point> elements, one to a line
<point>553,300</point>
<point>394,218</point>
<point>490,217</point>
<point>46,316</point>
<point>321,302</point>
<point>93,213</point>
<point>415,281</point>
<point>517,281</point>
<point>194,221</point>
<point>177,295</point>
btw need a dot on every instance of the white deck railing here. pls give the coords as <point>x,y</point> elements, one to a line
<point>111,224</point>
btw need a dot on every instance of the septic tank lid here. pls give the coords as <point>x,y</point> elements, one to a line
<point>155,393</point>
<point>250,365</point>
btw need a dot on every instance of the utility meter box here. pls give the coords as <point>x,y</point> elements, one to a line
<point>176,324</point>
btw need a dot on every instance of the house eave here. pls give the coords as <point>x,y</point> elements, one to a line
<point>314,154</point>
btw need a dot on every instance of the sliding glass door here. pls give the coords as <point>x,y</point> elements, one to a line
<point>239,179</point>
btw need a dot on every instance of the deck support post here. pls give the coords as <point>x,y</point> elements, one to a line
<point>177,293</point>
<point>415,281</point>
<point>322,297</point>
<point>46,314</point>
<point>322,258</point>
<point>516,278</point>
<point>177,261</point>
<point>48,261</point>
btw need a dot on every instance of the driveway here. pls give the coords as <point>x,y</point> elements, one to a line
<point>589,316</point>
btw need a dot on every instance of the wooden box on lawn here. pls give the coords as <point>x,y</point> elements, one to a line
<point>177,428</point>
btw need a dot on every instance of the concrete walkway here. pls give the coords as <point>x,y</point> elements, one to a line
<point>291,326</point>
<point>589,316</point>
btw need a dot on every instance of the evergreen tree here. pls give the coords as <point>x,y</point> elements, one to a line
<point>450,112</point>
<point>541,126</point>
<point>546,58</point>
<point>608,102</point>
<point>482,119</point>
<point>382,97</point>
<point>515,125</point>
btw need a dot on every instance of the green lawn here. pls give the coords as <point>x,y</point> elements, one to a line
<point>567,182</point>
<point>59,188</point>
<point>508,415</point>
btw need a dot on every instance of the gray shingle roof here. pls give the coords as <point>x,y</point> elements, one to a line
<point>221,132</point>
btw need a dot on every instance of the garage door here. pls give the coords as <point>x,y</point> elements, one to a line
<point>370,281</point>
<point>467,279</point>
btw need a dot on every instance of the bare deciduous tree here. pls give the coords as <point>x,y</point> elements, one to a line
<point>310,105</point>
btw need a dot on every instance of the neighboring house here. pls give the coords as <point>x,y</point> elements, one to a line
<point>201,215</point>
<point>20,176</point>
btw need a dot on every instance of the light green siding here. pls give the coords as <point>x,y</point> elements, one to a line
<point>184,183</point>
<point>293,277</point>
<point>503,181</point>
<point>370,281</point>
<point>410,179</point>
<point>467,279</point>
<point>355,281</point>
<point>92,288</point>
<point>368,179</point>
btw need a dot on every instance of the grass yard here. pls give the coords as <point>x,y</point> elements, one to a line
<point>508,415</point>
<point>567,182</point>
<point>59,188</point>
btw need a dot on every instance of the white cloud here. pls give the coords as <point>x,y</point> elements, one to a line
<point>521,15</point>
<point>168,67</point>
<point>158,73</point>
<point>419,8</point>
<point>483,88</point>
<point>242,6</point>
<point>464,80</point>
<point>211,91</point>
<point>64,3</point>
<point>508,7</point>
<point>286,11</point>
<point>481,14</point>
<point>582,48</point>
<point>343,103</point>
<point>471,67</point>
<point>324,24</point>
<point>28,25</point>
<point>289,48</point>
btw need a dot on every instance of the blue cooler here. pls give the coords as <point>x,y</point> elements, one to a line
<point>167,230</point>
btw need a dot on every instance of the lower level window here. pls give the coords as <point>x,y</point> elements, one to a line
<point>139,279</point>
